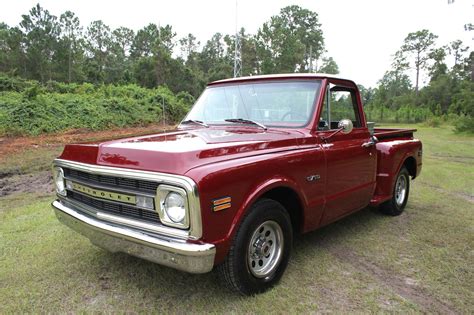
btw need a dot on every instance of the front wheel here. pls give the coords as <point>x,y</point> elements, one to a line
<point>260,250</point>
<point>397,203</point>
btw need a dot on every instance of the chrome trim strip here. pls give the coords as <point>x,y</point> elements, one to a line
<point>137,224</point>
<point>195,230</point>
<point>178,254</point>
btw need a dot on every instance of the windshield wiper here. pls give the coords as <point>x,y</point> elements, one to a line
<point>246,121</point>
<point>196,122</point>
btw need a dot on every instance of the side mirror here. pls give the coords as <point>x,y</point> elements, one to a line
<point>345,125</point>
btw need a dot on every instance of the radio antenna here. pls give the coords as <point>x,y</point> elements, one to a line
<point>238,47</point>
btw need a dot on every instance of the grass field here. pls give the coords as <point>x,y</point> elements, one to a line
<point>421,261</point>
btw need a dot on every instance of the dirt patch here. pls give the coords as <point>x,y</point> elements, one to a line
<point>456,159</point>
<point>405,287</point>
<point>4,174</point>
<point>41,183</point>
<point>9,145</point>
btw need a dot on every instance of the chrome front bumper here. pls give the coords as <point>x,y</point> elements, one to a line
<point>174,253</point>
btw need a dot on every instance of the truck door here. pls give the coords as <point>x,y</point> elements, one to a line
<point>350,158</point>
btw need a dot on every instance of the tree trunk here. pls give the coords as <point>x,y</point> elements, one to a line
<point>69,65</point>
<point>417,71</point>
<point>417,78</point>
<point>472,70</point>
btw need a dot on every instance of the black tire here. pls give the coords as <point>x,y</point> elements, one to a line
<point>239,271</point>
<point>397,203</point>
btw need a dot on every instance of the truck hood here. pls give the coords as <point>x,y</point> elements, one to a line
<point>179,151</point>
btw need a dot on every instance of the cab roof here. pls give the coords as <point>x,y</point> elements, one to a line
<point>279,76</point>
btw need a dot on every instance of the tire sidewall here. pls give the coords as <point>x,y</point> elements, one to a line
<point>400,208</point>
<point>262,211</point>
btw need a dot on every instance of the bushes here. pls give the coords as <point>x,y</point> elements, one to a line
<point>433,122</point>
<point>28,108</point>
<point>405,114</point>
<point>464,124</point>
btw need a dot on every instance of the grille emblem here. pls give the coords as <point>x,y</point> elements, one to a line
<point>103,194</point>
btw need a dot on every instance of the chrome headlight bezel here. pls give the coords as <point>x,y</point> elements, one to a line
<point>161,193</point>
<point>59,181</point>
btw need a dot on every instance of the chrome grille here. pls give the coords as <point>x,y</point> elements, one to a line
<point>115,208</point>
<point>112,182</point>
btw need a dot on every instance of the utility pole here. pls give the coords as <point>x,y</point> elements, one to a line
<point>310,59</point>
<point>238,48</point>
<point>156,55</point>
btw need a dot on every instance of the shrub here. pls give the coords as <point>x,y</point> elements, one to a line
<point>29,108</point>
<point>433,121</point>
<point>464,124</point>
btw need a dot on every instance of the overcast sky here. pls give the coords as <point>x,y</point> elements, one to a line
<point>361,35</point>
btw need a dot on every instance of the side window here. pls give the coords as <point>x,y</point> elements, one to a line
<point>339,103</point>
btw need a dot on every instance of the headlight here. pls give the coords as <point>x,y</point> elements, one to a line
<point>173,209</point>
<point>58,175</point>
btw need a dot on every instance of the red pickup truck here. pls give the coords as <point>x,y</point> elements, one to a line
<point>256,160</point>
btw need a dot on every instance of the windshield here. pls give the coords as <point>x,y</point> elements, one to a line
<point>276,104</point>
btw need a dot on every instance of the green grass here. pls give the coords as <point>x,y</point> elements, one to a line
<point>420,261</point>
<point>31,160</point>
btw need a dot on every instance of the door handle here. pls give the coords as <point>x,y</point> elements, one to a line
<point>373,141</point>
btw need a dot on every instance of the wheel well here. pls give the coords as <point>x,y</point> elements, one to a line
<point>292,203</point>
<point>410,164</point>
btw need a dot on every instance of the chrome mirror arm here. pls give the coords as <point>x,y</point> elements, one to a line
<point>345,125</point>
<point>325,139</point>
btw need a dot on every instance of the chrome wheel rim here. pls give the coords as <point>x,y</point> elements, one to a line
<point>265,249</point>
<point>400,190</point>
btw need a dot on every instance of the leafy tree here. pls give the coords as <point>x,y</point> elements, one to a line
<point>437,96</point>
<point>213,61</point>
<point>367,94</point>
<point>41,33</point>
<point>457,50</point>
<point>329,66</point>
<point>188,46</point>
<point>71,32</point>
<point>145,41</point>
<point>122,39</point>
<point>158,43</point>
<point>463,99</point>
<point>98,41</point>
<point>166,37</point>
<point>418,45</point>
<point>12,54</point>
<point>290,41</point>
<point>118,63</point>
<point>469,66</point>
<point>438,67</point>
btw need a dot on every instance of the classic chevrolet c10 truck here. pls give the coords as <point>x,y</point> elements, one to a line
<point>256,160</point>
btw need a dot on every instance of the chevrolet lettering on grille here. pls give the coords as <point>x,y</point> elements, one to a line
<point>103,194</point>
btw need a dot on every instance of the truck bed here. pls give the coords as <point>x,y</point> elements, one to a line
<point>385,133</point>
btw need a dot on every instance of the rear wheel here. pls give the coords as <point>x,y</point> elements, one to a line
<point>260,250</point>
<point>397,203</point>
